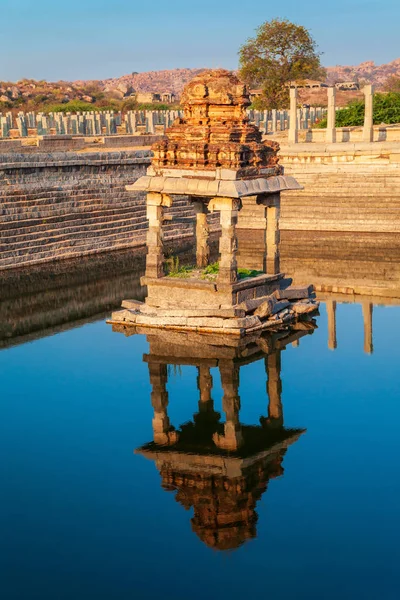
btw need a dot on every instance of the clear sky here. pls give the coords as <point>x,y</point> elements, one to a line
<point>91,39</point>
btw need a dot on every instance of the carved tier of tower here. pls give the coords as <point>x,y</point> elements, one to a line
<point>215,131</point>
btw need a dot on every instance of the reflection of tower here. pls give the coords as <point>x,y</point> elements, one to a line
<point>220,470</point>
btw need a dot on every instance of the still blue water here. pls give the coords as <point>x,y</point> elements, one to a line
<point>83,517</point>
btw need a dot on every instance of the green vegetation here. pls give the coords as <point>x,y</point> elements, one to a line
<point>72,106</point>
<point>209,273</point>
<point>386,110</point>
<point>281,53</point>
<point>42,96</point>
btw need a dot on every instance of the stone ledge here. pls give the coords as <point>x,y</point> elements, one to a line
<point>213,187</point>
<point>176,282</point>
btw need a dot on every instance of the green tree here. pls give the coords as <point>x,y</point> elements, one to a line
<point>280,54</point>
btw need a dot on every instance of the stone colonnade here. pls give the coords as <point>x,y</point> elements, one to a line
<point>330,136</point>
<point>231,439</point>
<point>267,207</point>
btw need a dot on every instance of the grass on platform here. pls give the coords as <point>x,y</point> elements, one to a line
<point>208,273</point>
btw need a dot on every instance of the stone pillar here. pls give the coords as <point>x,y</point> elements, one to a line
<point>273,124</point>
<point>204,384</point>
<point>293,134</point>
<point>155,213</point>
<point>162,432</point>
<point>202,234</point>
<point>232,438</point>
<point>367,309</point>
<point>228,208</point>
<point>331,125</point>
<point>273,235</point>
<point>368,130</point>
<point>274,389</point>
<point>331,312</point>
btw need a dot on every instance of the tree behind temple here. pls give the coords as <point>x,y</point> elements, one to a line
<point>280,54</point>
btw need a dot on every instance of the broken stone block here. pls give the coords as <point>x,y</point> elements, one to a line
<point>132,304</point>
<point>124,315</point>
<point>295,293</point>
<point>246,322</point>
<point>301,308</point>
<point>270,307</point>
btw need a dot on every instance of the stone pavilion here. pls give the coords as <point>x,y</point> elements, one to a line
<point>214,156</point>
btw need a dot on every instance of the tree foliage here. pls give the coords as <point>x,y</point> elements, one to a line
<point>282,52</point>
<point>386,110</point>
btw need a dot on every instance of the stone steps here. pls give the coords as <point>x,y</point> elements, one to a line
<point>83,231</point>
<point>8,227</point>
<point>92,246</point>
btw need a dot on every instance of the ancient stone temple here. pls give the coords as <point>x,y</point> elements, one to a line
<point>216,465</point>
<point>217,158</point>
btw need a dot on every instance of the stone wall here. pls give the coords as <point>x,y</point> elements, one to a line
<point>347,188</point>
<point>61,205</point>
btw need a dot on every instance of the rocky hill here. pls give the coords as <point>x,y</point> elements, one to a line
<point>367,72</point>
<point>153,81</point>
<point>115,93</point>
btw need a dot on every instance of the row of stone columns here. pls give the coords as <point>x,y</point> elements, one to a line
<point>232,438</point>
<point>330,134</point>
<point>268,206</point>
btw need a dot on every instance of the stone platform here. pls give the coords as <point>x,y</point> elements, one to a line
<point>245,307</point>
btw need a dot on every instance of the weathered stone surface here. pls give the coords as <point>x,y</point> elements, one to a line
<point>195,312</point>
<point>270,307</point>
<point>124,315</point>
<point>215,131</point>
<point>295,293</point>
<point>305,307</point>
<point>251,305</point>
<point>133,304</point>
<point>245,323</point>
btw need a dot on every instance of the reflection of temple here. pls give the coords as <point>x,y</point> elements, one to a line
<point>219,469</point>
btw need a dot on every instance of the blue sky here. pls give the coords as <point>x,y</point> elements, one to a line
<point>84,39</point>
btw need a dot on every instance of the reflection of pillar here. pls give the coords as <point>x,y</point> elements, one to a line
<point>232,437</point>
<point>367,309</point>
<point>368,130</point>
<point>331,311</point>
<point>274,389</point>
<point>330,127</point>
<point>155,254</point>
<point>202,235</point>
<point>293,134</point>
<point>273,235</point>
<point>159,398</point>
<point>205,383</point>
<point>228,208</point>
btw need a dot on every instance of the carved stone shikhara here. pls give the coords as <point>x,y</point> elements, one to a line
<point>215,131</point>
